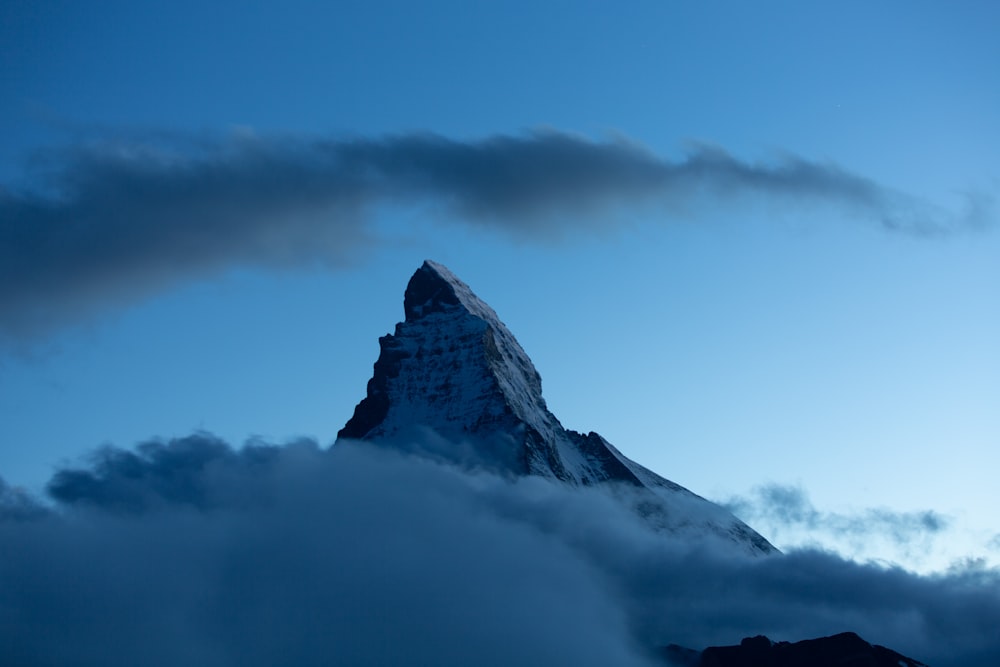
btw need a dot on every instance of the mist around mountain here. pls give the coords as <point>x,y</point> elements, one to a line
<point>403,544</point>
<point>192,552</point>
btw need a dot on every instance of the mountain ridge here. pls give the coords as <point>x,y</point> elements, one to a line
<point>843,649</point>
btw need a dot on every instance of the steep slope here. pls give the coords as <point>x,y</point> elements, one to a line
<point>453,382</point>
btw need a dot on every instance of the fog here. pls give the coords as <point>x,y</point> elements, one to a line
<point>193,552</point>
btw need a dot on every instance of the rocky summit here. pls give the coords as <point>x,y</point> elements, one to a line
<point>452,382</point>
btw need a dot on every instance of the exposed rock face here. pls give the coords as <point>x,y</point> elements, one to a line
<point>837,651</point>
<point>453,382</point>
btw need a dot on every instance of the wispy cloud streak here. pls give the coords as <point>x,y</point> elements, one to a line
<point>781,509</point>
<point>112,222</point>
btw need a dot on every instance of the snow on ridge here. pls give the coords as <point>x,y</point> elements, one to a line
<point>453,368</point>
<point>513,369</point>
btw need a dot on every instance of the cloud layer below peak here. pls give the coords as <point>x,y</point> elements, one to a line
<point>192,552</point>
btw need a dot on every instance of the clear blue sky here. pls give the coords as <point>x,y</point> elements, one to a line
<point>726,341</point>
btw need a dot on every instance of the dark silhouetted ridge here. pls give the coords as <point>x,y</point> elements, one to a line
<point>844,650</point>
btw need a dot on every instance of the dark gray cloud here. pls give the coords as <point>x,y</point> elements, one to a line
<point>364,556</point>
<point>112,222</point>
<point>184,471</point>
<point>306,558</point>
<point>780,507</point>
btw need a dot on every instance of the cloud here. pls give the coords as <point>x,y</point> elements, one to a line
<point>359,557</point>
<point>784,508</point>
<point>113,222</point>
<point>187,471</point>
<point>17,505</point>
<point>362,555</point>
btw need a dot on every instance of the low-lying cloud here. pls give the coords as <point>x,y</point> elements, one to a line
<point>191,552</point>
<point>114,222</point>
<point>17,505</point>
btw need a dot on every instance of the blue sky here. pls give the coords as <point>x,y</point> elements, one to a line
<point>736,337</point>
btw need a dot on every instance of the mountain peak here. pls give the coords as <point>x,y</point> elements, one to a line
<point>433,289</point>
<point>452,382</point>
<point>452,366</point>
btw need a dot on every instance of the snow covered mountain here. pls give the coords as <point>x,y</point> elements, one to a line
<point>453,382</point>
